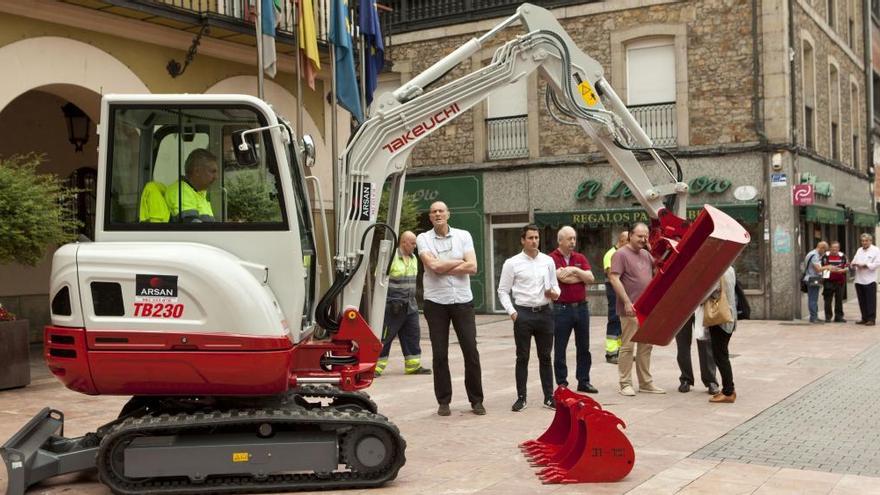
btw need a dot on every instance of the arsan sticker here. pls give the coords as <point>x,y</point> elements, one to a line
<point>155,285</point>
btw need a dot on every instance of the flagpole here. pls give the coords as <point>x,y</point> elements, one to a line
<point>296,42</point>
<point>337,189</point>
<point>362,58</point>
<point>259,49</point>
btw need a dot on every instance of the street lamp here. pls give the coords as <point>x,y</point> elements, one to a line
<point>78,124</point>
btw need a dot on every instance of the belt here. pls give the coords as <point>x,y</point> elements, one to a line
<point>533,309</point>
<point>570,305</point>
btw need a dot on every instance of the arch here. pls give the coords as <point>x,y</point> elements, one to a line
<point>49,61</point>
<point>285,104</point>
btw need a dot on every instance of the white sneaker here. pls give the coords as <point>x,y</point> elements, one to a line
<point>628,391</point>
<point>652,389</point>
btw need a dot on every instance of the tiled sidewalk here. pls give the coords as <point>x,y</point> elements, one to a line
<point>464,453</point>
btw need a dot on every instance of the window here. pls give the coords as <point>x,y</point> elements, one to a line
<point>507,122</point>
<point>834,110</point>
<point>854,119</point>
<point>809,88</point>
<point>174,168</point>
<point>650,86</point>
<point>832,13</point>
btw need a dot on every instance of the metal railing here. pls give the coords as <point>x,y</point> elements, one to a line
<point>411,15</point>
<point>245,10</point>
<point>659,120</point>
<point>508,137</point>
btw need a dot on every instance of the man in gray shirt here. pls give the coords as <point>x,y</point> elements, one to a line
<point>631,271</point>
<point>449,259</point>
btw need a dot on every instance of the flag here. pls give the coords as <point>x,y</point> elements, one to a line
<point>374,58</point>
<point>308,42</point>
<point>346,82</point>
<point>270,17</point>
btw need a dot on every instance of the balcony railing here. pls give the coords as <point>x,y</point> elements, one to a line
<point>412,15</point>
<point>508,137</point>
<point>659,122</point>
<point>243,11</point>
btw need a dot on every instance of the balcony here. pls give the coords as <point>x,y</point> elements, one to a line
<point>413,15</point>
<point>228,20</point>
<point>508,137</point>
<point>659,122</point>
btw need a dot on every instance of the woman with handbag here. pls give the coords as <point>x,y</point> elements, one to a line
<point>813,279</point>
<point>719,317</point>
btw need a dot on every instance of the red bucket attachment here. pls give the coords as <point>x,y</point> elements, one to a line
<point>690,270</point>
<point>582,444</point>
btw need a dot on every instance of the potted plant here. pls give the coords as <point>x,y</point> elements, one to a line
<point>15,370</point>
<point>33,219</point>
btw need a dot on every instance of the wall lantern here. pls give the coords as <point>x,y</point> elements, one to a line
<point>78,124</point>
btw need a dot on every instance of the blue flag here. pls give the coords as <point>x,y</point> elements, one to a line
<point>270,15</point>
<point>346,81</point>
<point>374,58</point>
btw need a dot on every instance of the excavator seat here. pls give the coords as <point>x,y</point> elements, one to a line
<point>687,274</point>
<point>154,207</point>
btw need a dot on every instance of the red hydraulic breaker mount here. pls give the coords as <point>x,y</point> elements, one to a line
<point>350,355</point>
<point>686,270</point>
<point>584,444</point>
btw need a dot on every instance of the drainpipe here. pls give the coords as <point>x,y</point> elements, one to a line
<point>794,273</point>
<point>758,117</point>
<point>869,94</point>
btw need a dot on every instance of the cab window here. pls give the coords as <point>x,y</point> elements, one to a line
<point>174,168</point>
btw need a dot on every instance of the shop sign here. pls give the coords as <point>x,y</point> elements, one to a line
<point>589,189</point>
<point>746,212</point>
<point>460,192</point>
<point>802,194</point>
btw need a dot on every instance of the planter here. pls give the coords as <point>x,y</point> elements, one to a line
<point>15,368</point>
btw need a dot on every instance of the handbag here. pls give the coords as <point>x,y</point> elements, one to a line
<point>716,311</point>
<point>806,282</point>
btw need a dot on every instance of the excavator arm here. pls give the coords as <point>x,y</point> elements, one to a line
<point>399,120</point>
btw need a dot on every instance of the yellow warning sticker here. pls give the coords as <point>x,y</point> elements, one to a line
<point>240,457</point>
<point>587,93</point>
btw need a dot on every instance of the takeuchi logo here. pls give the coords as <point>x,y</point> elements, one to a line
<point>422,128</point>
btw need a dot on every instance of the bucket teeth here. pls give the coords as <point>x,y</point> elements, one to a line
<point>584,443</point>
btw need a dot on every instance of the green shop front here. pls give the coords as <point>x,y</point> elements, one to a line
<point>463,194</point>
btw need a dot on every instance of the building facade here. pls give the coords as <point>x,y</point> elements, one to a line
<point>753,97</point>
<point>57,53</point>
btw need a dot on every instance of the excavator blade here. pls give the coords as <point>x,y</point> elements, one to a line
<point>688,274</point>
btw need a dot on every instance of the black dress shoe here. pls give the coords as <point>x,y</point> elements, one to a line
<point>713,389</point>
<point>588,388</point>
<point>684,388</point>
<point>869,323</point>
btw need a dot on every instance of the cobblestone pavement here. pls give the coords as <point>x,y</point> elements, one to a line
<point>464,453</point>
<point>830,425</point>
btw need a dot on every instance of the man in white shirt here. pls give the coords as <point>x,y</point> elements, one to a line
<point>448,257</point>
<point>531,276</point>
<point>865,263</point>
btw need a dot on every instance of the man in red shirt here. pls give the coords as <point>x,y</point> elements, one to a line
<point>570,311</point>
<point>835,262</point>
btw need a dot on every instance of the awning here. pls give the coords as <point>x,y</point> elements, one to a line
<point>744,212</point>
<point>824,214</point>
<point>864,219</point>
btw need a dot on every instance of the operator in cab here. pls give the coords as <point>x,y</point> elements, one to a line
<point>188,198</point>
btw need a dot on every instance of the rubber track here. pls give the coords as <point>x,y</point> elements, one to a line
<point>334,393</point>
<point>295,416</point>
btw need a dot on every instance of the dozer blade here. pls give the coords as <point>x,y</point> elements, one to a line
<point>688,274</point>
